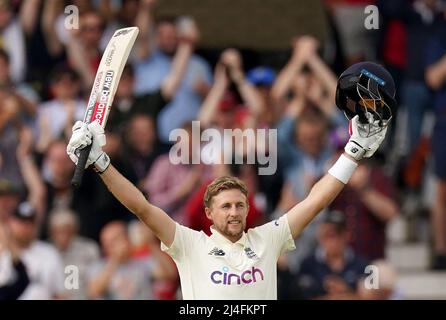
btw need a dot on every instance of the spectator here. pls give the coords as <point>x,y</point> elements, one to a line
<point>17,165</point>
<point>307,75</point>
<point>168,184</point>
<point>357,42</point>
<point>127,103</point>
<point>9,198</point>
<point>333,271</point>
<point>83,46</point>
<point>74,250</point>
<point>155,64</point>
<point>24,94</point>
<point>11,290</point>
<point>57,173</point>
<point>118,275</point>
<point>141,144</point>
<point>221,111</point>
<point>89,201</point>
<point>146,245</point>
<point>418,18</point>
<point>262,78</point>
<point>436,80</point>
<point>41,54</point>
<point>42,261</point>
<point>57,116</point>
<point>303,154</point>
<point>386,288</point>
<point>13,41</point>
<point>369,202</point>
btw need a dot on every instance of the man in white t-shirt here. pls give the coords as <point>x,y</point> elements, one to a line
<point>231,263</point>
<point>42,261</point>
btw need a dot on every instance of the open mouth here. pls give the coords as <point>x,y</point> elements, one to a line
<point>235,222</point>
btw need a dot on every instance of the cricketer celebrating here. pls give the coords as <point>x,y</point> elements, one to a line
<point>232,263</point>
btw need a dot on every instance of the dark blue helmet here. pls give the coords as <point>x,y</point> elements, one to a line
<point>367,89</point>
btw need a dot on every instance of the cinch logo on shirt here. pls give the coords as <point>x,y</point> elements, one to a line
<point>246,277</point>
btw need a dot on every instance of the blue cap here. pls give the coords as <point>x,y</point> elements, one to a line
<point>261,76</point>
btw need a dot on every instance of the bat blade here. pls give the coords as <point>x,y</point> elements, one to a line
<point>104,87</point>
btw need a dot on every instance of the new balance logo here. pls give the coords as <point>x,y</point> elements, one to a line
<point>217,252</point>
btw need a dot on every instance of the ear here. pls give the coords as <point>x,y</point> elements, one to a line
<point>208,213</point>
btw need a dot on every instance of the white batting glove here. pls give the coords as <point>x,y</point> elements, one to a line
<point>83,135</point>
<point>360,145</point>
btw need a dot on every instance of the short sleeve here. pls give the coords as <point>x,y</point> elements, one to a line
<point>278,235</point>
<point>184,240</point>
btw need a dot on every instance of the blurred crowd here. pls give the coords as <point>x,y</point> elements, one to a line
<point>61,243</point>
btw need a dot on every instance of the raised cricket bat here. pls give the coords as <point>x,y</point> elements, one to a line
<point>105,84</point>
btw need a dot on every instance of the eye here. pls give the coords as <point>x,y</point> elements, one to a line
<point>226,206</point>
<point>240,205</point>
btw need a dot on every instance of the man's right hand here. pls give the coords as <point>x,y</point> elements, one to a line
<point>83,135</point>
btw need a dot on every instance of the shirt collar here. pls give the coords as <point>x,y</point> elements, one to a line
<point>221,239</point>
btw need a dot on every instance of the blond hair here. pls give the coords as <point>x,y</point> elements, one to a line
<point>222,184</point>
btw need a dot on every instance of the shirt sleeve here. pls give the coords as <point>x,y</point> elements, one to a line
<point>184,241</point>
<point>278,235</point>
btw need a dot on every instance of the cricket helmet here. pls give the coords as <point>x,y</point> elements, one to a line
<point>367,89</point>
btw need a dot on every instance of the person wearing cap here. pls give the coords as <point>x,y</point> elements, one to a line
<point>334,269</point>
<point>42,261</point>
<point>11,289</point>
<point>263,77</point>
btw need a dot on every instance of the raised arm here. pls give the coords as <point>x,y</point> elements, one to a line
<point>29,15</point>
<point>209,107</point>
<point>326,189</point>
<point>30,172</point>
<point>232,59</point>
<point>153,217</point>
<point>51,9</point>
<point>188,37</point>
<point>144,21</point>
<point>304,47</point>
<point>327,80</point>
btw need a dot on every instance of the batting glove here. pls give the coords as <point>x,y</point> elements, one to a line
<point>82,136</point>
<point>361,143</point>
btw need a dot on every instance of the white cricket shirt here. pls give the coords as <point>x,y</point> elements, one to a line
<point>215,268</point>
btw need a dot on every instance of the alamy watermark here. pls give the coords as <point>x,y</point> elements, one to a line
<point>371,21</point>
<point>372,280</point>
<point>71,17</point>
<point>72,277</point>
<point>212,146</point>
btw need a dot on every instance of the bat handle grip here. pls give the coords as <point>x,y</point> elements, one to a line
<point>80,166</point>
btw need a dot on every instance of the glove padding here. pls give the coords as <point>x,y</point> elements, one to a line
<point>82,136</point>
<point>361,146</point>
